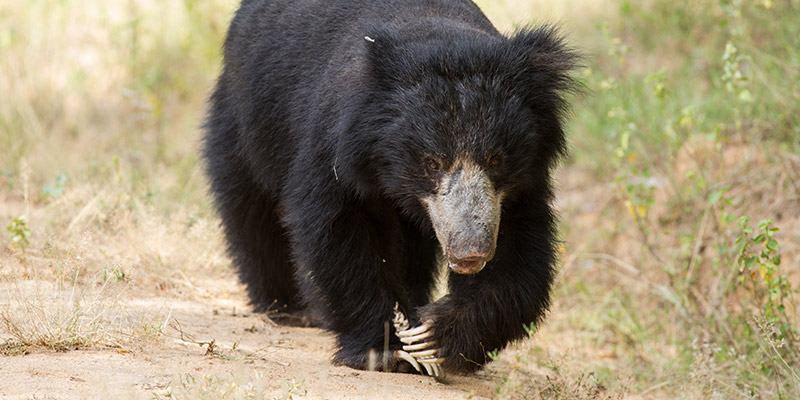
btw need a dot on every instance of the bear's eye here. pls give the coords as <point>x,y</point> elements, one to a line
<point>493,161</point>
<point>432,165</point>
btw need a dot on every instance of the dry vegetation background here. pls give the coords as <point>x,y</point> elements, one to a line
<point>667,289</point>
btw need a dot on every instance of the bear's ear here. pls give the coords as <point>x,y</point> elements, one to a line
<point>384,55</point>
<point>544,69</point>
<point>545,64</point>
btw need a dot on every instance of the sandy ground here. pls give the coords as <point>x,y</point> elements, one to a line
<point>254,356</point>
<point>249,349</point>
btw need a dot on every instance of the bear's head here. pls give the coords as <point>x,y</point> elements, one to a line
<point>451,129</point>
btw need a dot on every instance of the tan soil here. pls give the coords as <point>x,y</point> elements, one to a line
<point>268,356</point>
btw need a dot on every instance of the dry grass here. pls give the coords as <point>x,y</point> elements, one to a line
<point>111,96</point>
<point>58,320</point>
<point>237,385</point>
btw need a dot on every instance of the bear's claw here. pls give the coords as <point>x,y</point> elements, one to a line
<point>402,355</point>
<point>416,351</point>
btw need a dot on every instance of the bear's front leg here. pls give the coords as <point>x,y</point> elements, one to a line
<point>346,266</point>
<point>485,311</point>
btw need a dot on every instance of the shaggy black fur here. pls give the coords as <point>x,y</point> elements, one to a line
<point>317,140</point>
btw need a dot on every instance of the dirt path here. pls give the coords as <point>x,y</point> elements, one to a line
<point>251,355</point>
<point>172,306</point>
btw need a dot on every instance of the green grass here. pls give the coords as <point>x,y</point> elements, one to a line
<point>692,121</point>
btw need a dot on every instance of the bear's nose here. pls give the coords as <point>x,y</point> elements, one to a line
<point>470,245</point>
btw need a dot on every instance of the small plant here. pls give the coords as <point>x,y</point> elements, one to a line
<point>759,263</point>
<point>658,80</point>
<point>733,73</point>
<point>294,388</point>
<point>114,272</point>
<point>19,233</point>
<point>530,329</point>
<point>54,190</point>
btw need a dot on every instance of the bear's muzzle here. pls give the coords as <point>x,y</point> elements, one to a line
<point>465,214</point>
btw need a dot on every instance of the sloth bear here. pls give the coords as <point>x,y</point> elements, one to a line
<point>354,146</point>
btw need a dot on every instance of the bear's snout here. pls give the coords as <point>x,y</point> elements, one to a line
<point>468,250</point>
<point>465,214</point>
